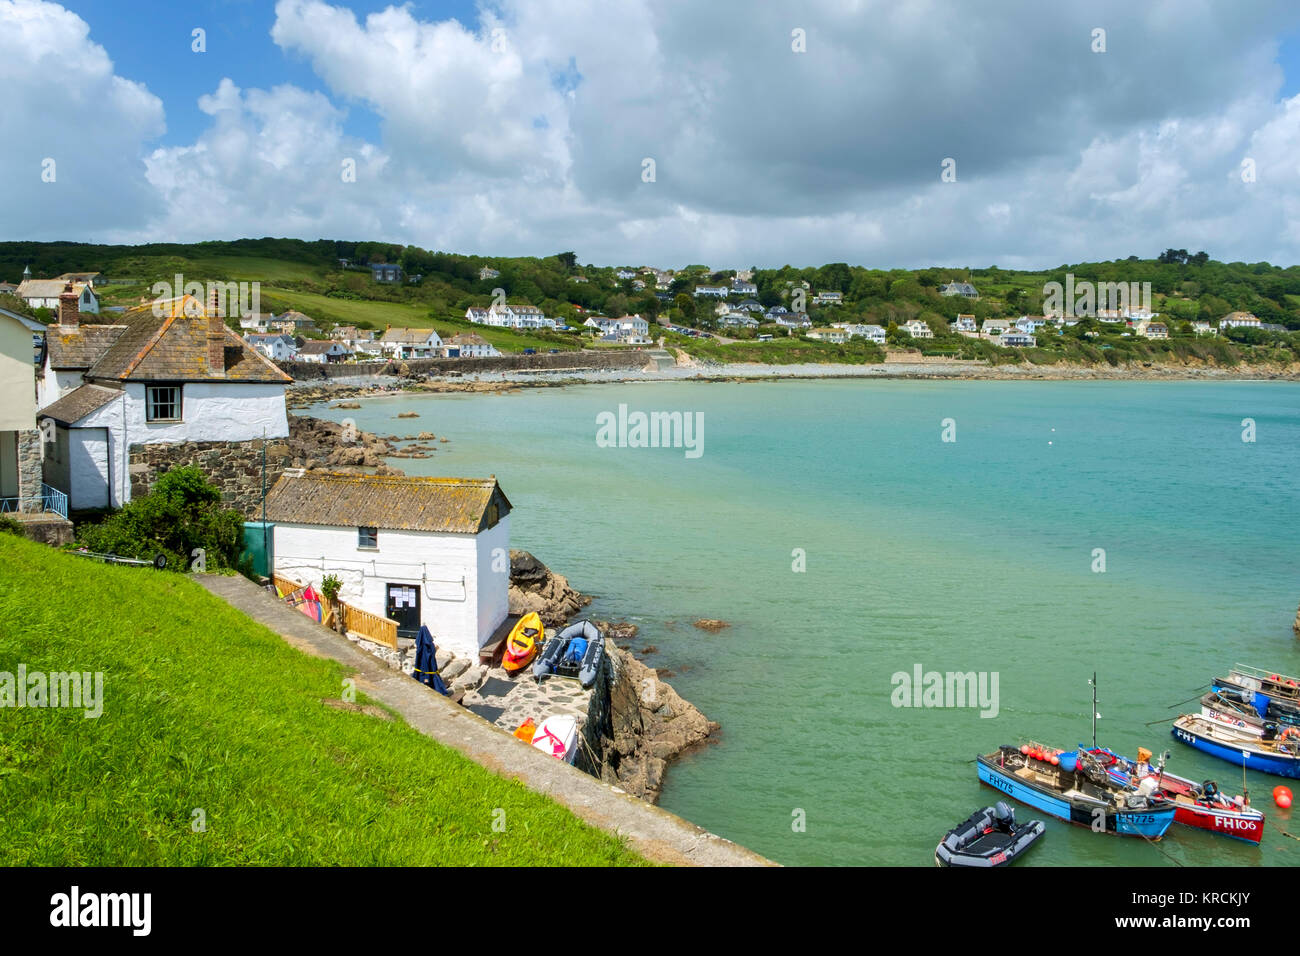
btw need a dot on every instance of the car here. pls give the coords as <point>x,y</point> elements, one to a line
<point>530,351</point>
<point>554,351</point>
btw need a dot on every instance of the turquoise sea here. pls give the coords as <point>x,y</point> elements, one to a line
<point>971,555</point>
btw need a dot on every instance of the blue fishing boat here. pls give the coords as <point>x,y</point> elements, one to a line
<point>1279,755</point>
<point>1075,788</point>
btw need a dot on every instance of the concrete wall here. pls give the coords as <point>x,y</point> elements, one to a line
<point>458,606</point>
<point>607,358</point>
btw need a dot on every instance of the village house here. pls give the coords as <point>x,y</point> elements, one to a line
<point>1152,330</point>
<point>793,320</point>
<point>351,334</point>
<point>410,343</point>
<point>716,291</point>
<point>1204,328</point>
<point>1239,320</point>
<point>45,294</point>
<point>321,352</point>
<point>741,287</point>
<point>738,319</point>
<point>385,272</point>
<point>278,347</point>
<point>419,551</point>
<point>92,279</point>
<point>872,333</point>
<point>964,289</point>
<point>1030,323</point>
<point>992,328</point>
<point>751,305</point>
<point>487,272</point>
<point>469,345</point>
<point>259,322</point>
<point>833,336</point>
<point>167,372</point>
<point>918,329</point>
<point>965,325</point>
<point>1016,338</point>
<point>293,322</point>
<point>625,274</point>
<point>828,298</point>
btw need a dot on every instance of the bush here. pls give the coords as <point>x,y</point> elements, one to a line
<point>10,525</point>
<point>183,512</point>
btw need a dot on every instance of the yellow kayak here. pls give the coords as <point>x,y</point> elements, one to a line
<point>521,645</point>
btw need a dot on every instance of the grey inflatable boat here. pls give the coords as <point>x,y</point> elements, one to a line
<point>563,658</point>
<point>991,837</point>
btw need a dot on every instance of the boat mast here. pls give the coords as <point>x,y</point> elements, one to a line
<point>1094,709</point>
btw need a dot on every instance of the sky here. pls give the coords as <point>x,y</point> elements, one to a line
<point>1014,133</point>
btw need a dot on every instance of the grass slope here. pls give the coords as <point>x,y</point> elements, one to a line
<point>203,708</point>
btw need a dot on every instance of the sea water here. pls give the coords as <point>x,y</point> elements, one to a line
<point>870,541</point>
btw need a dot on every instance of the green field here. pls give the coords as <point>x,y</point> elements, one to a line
<point>205,710</point>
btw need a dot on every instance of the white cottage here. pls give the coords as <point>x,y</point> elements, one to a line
<point>433,551</point>
<point>170,372</point>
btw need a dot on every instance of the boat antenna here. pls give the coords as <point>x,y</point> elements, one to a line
<point>1245,792</point>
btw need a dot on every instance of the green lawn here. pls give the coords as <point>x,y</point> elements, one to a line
<point>204,709</point>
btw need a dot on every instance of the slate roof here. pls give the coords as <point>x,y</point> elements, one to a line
<point>172,346</point>
<point>46,288</point>
<point>79,403</point>
<point>447,505</point>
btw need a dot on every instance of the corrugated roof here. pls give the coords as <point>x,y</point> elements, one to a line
<point>79,403</point>
<point>449,505</point>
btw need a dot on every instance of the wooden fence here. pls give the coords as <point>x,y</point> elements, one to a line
<point>381,630</point>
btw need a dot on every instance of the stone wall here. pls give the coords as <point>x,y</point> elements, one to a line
<point>542,361</point>
<point>29,468</point>
<point>235,467</point>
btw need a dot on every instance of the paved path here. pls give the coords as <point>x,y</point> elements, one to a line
<point>654,833</point>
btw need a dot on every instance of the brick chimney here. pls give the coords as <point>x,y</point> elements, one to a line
<point>69,307</point>
<point>216,337</point>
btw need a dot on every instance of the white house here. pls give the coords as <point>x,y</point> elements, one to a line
<point>472,346</point>
<point>740,287</point>
<point>487,272</point>
<point>170,372</point>
<point>965,325</point>
<point>793,320</point>
<point>1152,330</point>
<point>717,291</point>
<point>834,336</point>
<point>322,352</point>
<point>994,327</point>
<point>1204,328</point>
<point>918,329</point>
<point>432,551</point>
<point>1237,320</point>
<point>872,333</point>
<point>964,289</point>
<point>278,347</point>
<point>828,298</point>
<point>45,293</point>
<point>1015,338</point>
<point>410,343</point>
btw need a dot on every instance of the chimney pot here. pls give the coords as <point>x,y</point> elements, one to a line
<point>216,345</point>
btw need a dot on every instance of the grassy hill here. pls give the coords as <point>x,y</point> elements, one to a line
<point>205,709</point>
<point>313,278</point>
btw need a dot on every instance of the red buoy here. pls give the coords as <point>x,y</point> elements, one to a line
<point>1282,797</point>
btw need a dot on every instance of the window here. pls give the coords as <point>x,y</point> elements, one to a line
<point>368,538</point>
<point>162,403</point>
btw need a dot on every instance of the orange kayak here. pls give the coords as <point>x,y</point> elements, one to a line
<point>522,644</point>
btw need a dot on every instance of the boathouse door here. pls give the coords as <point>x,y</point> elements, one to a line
<point>404,608</point>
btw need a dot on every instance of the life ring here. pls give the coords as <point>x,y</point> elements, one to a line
<point>1288,734</point>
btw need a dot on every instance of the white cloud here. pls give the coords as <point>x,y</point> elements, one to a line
<point>524,133</point>
<point>64,103</point>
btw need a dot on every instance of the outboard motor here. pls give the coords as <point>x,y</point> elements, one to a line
<point>1004,815</point>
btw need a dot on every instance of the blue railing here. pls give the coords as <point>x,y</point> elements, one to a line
<point>50,499</point>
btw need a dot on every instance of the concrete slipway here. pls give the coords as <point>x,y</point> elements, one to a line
<point>656,834</point>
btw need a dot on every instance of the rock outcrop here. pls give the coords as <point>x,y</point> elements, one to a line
<point>647,725</point>
<point>535,587</point>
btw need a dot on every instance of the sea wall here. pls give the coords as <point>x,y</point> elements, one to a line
<point>542,361</point>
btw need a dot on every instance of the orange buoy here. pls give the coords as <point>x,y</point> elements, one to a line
<point>1056,761</point>
<point>1024,749</point>
<point>1282,797</point>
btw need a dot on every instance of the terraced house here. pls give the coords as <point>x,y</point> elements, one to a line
<point>167,372</point>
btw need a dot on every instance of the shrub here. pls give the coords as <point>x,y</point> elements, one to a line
<point>181,513</point>
<point>10,525</point>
